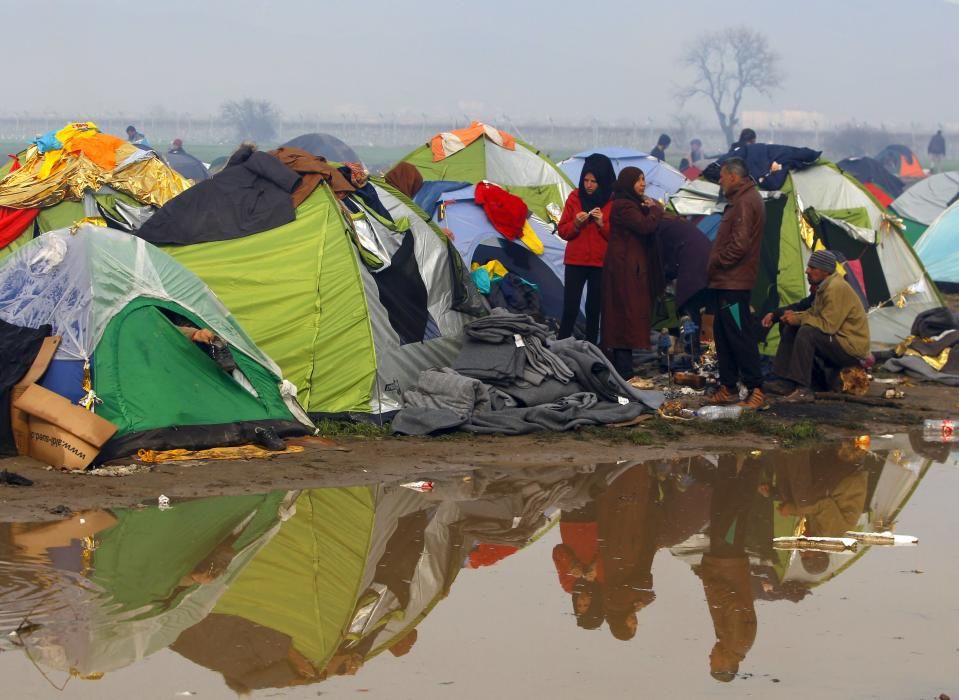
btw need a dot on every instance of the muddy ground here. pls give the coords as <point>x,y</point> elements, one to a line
<point>345,458</point>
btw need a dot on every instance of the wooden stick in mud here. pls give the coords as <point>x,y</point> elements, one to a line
<point>849,398</point>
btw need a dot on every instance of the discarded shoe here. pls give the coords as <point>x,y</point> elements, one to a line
<point>756,401</point>
<point>12,479</point>
<point>723,396</point>
<point>267,437</point>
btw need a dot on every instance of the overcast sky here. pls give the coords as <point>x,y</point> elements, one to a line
<point>879,61</point>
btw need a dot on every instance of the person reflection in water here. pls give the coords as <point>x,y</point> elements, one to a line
<point>725,570</point>
<point>629,518</point>
<point>579,565</point>
<point>827,489</point>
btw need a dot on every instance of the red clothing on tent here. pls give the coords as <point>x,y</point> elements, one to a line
<point>506,211</point>
<point>13,222</point>
<point>855,267</point>
<point>16,161</point>
<point>884,199</point>
<point>489,554</point>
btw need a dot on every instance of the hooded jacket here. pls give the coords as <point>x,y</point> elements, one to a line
<point>587,244</point>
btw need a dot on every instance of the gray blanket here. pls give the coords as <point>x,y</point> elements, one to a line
<point>593,372</point>
<point>501,325</point>
<point>499,364</point>
<point>919,368</point>
<point>572,412</point>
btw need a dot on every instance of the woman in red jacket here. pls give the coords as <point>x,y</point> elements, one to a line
<point>632,276</point>
<point>584,225</point>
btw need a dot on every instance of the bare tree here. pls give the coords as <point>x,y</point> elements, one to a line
<point>252,119</point>
<point>726,63</point>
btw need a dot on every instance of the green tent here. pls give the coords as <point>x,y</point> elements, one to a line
<point>329,299</point>
<point>523,171</point>
<point>823,206</point>
<point>151,575</point>
<point>116,302</point>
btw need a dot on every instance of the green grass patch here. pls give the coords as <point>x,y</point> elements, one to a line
<point>342,428</point>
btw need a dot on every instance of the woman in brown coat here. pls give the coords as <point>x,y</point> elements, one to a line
<point>632,277</point>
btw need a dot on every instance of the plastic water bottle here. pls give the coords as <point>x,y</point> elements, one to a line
<point>719,412</point>
<point>939,430</point>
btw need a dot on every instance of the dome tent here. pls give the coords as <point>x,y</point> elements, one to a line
<point>325,145</point>
<point>481,152</point>
<point>352,310</point>
<point>661,178</point>
<point>938,248</point>
<point>116,301</point>
<point>920,204</point>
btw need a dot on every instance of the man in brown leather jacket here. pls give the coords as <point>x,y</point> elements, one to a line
<point>733,266</point>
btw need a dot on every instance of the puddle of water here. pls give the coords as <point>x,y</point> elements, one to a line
<point>580,582</point>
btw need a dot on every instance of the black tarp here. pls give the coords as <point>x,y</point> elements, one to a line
<point>245,198</point>
<point>18,349</point>
<point>870,170</point>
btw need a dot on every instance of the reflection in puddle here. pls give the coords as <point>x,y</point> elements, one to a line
<point>292,588</point>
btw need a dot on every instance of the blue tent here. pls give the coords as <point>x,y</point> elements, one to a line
<point>478,242</point>
<point>938,248</point>
<point>661,178</point>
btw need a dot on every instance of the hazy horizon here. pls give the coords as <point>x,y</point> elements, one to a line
<point>880,62</point>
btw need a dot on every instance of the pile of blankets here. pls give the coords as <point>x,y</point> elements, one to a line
<point>510,378</point>
<point>930,351</point>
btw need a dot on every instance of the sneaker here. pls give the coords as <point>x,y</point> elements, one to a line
<point>267,437</point>
<point>756,401</point>
<point>800,395</point>
<point>723,396</point>
<point>780,387</point>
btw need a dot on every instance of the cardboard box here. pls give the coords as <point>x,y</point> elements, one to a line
<point>18,419</point>
<point>61,433</point>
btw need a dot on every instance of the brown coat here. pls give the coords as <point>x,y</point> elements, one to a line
<point>631,275</point>
<point>734,258</point>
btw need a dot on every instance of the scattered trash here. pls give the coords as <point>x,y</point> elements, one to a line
<point>186,692</point>
<point>885,436</point>
<point>60,510</point>
<point>641,383</point>
<point>863,442</point>
<point>938,430</point>
<point>893,394</point>
<point>119,470</point>
<point>827,544</point>
<point>883,538</point>
<point>675,392</point>
<point>12,479</point>
<point>719,412</point>
<point>163,502</point>
<point>421,486</point>
<point>886,380</point>
<point>756,453</point>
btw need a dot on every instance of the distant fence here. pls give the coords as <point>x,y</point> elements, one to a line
<point>557,139</point>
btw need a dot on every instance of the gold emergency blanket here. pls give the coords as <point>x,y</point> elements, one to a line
<point>240,452</point>
<point>65,174</point>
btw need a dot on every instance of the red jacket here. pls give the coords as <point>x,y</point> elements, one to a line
<point>586,246</point>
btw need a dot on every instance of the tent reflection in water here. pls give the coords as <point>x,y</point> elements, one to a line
<point>147,578</point>
<point>355,571</point>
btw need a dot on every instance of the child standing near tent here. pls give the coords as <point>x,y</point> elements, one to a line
<point>585,226</point>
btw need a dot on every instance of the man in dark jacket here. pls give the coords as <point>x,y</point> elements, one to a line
<point>937,149</point>
<point>733,267</point>
<point>662,143</point>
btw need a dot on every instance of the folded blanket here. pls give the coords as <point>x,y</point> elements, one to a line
<point>501,326</point>
<point>499,364</point>
<point>444,388</point>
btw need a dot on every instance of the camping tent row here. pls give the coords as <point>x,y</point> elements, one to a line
<point>822,206</point>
